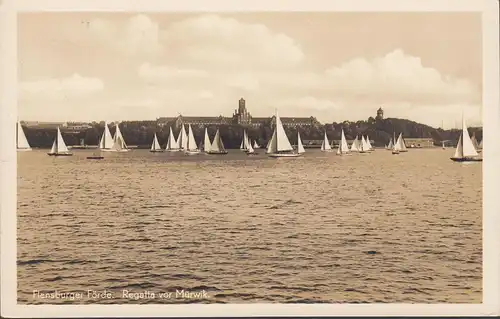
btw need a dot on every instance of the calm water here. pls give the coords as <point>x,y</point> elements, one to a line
<point>250,229</point>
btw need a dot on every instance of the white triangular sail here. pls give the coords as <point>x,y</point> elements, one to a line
<point>217,145</point>
<point>191,142</point>
<point>325,146</point>
<point>364,144</point>
<point>206,143</point>
<point>474,142</point>
<point>255,145</point>
<point>459,151</point>
<point>118,141</point>
<point>244,141</point>
<point>250,149</point>
<point>182,139</point>
<point>481,144</point>
<point>59,146</point>
<point>390,145</point>
<point>465,146</point>
<point>279,141</point>
<point>300,147</point>
<point>248,141</point>
<point>21,141</point>
<point>370,147</point>
<point>155,146</point>
<point>171,143</point>
<point>343,146</point>
<point>397,144</point>
<point>268,144</point>
<point>53,150</point>
<point>106,141</point>
<point>400,144</point>
<point>355,146</point>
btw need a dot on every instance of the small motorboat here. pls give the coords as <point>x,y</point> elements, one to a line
<point>95,157</point>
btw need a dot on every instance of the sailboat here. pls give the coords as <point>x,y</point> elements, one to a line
<point>21,140</point>
<point>443,145</point>
<point>268,143</point>
<point>475,143</point>
<point>395,146</point>
<point>217,147</point>
<point>251,150</point>
<point>300,147</point>
<point>182,139</point>
<point>280,146</point>
<point>370,147</point>
<point>390,146</point>
<point>365,148</point>
<point>172,145</point>
<point>119,144</point>
<point>255,145</point>
<point>106,142</point>
<point>155,146</point>
<point>325,146</point>
<point>355,146</point>
<point>244,142</point>
<point>59,148</point>
<point>480,146</point>
<point>191,147</point>
<point>206,143</point>
<point>343,147</point>
<point>465,151</point>
<point>400,144</point>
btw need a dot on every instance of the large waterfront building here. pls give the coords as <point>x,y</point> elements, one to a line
<point>241,116</point>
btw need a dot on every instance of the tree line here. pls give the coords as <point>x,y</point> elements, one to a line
<point>141,133</point>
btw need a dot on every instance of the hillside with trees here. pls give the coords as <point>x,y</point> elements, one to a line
<point>141,133</point>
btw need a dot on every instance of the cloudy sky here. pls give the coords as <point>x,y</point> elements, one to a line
<point>336,66</point>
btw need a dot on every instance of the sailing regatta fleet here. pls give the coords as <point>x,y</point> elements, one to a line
<point>467,149</point>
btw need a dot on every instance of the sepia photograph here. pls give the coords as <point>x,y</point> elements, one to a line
<point>249,157</point>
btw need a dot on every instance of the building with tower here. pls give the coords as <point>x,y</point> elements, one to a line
<point>241,116</point>
<point>380,114</point>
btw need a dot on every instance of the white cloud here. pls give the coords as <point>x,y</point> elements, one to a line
<point>75,86</point>
<point>231,44</point>
<point>138,36</point>
<point>213,60</point>
<point>162,73</point>
<point>398,77</point>
<point>244,81</point>
<point>309,103</point>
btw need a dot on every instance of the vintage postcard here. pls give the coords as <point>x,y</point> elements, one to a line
<point>249,159</point>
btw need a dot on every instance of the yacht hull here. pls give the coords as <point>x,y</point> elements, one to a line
<point>115,151</point>
<point>192,152</point>
<point>276,155</point>
<point>466,159</point>
<point>217,153</point>
<point>60,154</point>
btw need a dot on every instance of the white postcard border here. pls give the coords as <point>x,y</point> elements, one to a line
<point>8,160</point>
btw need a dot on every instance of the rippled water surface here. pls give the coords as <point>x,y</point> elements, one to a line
<point>321,228</point>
